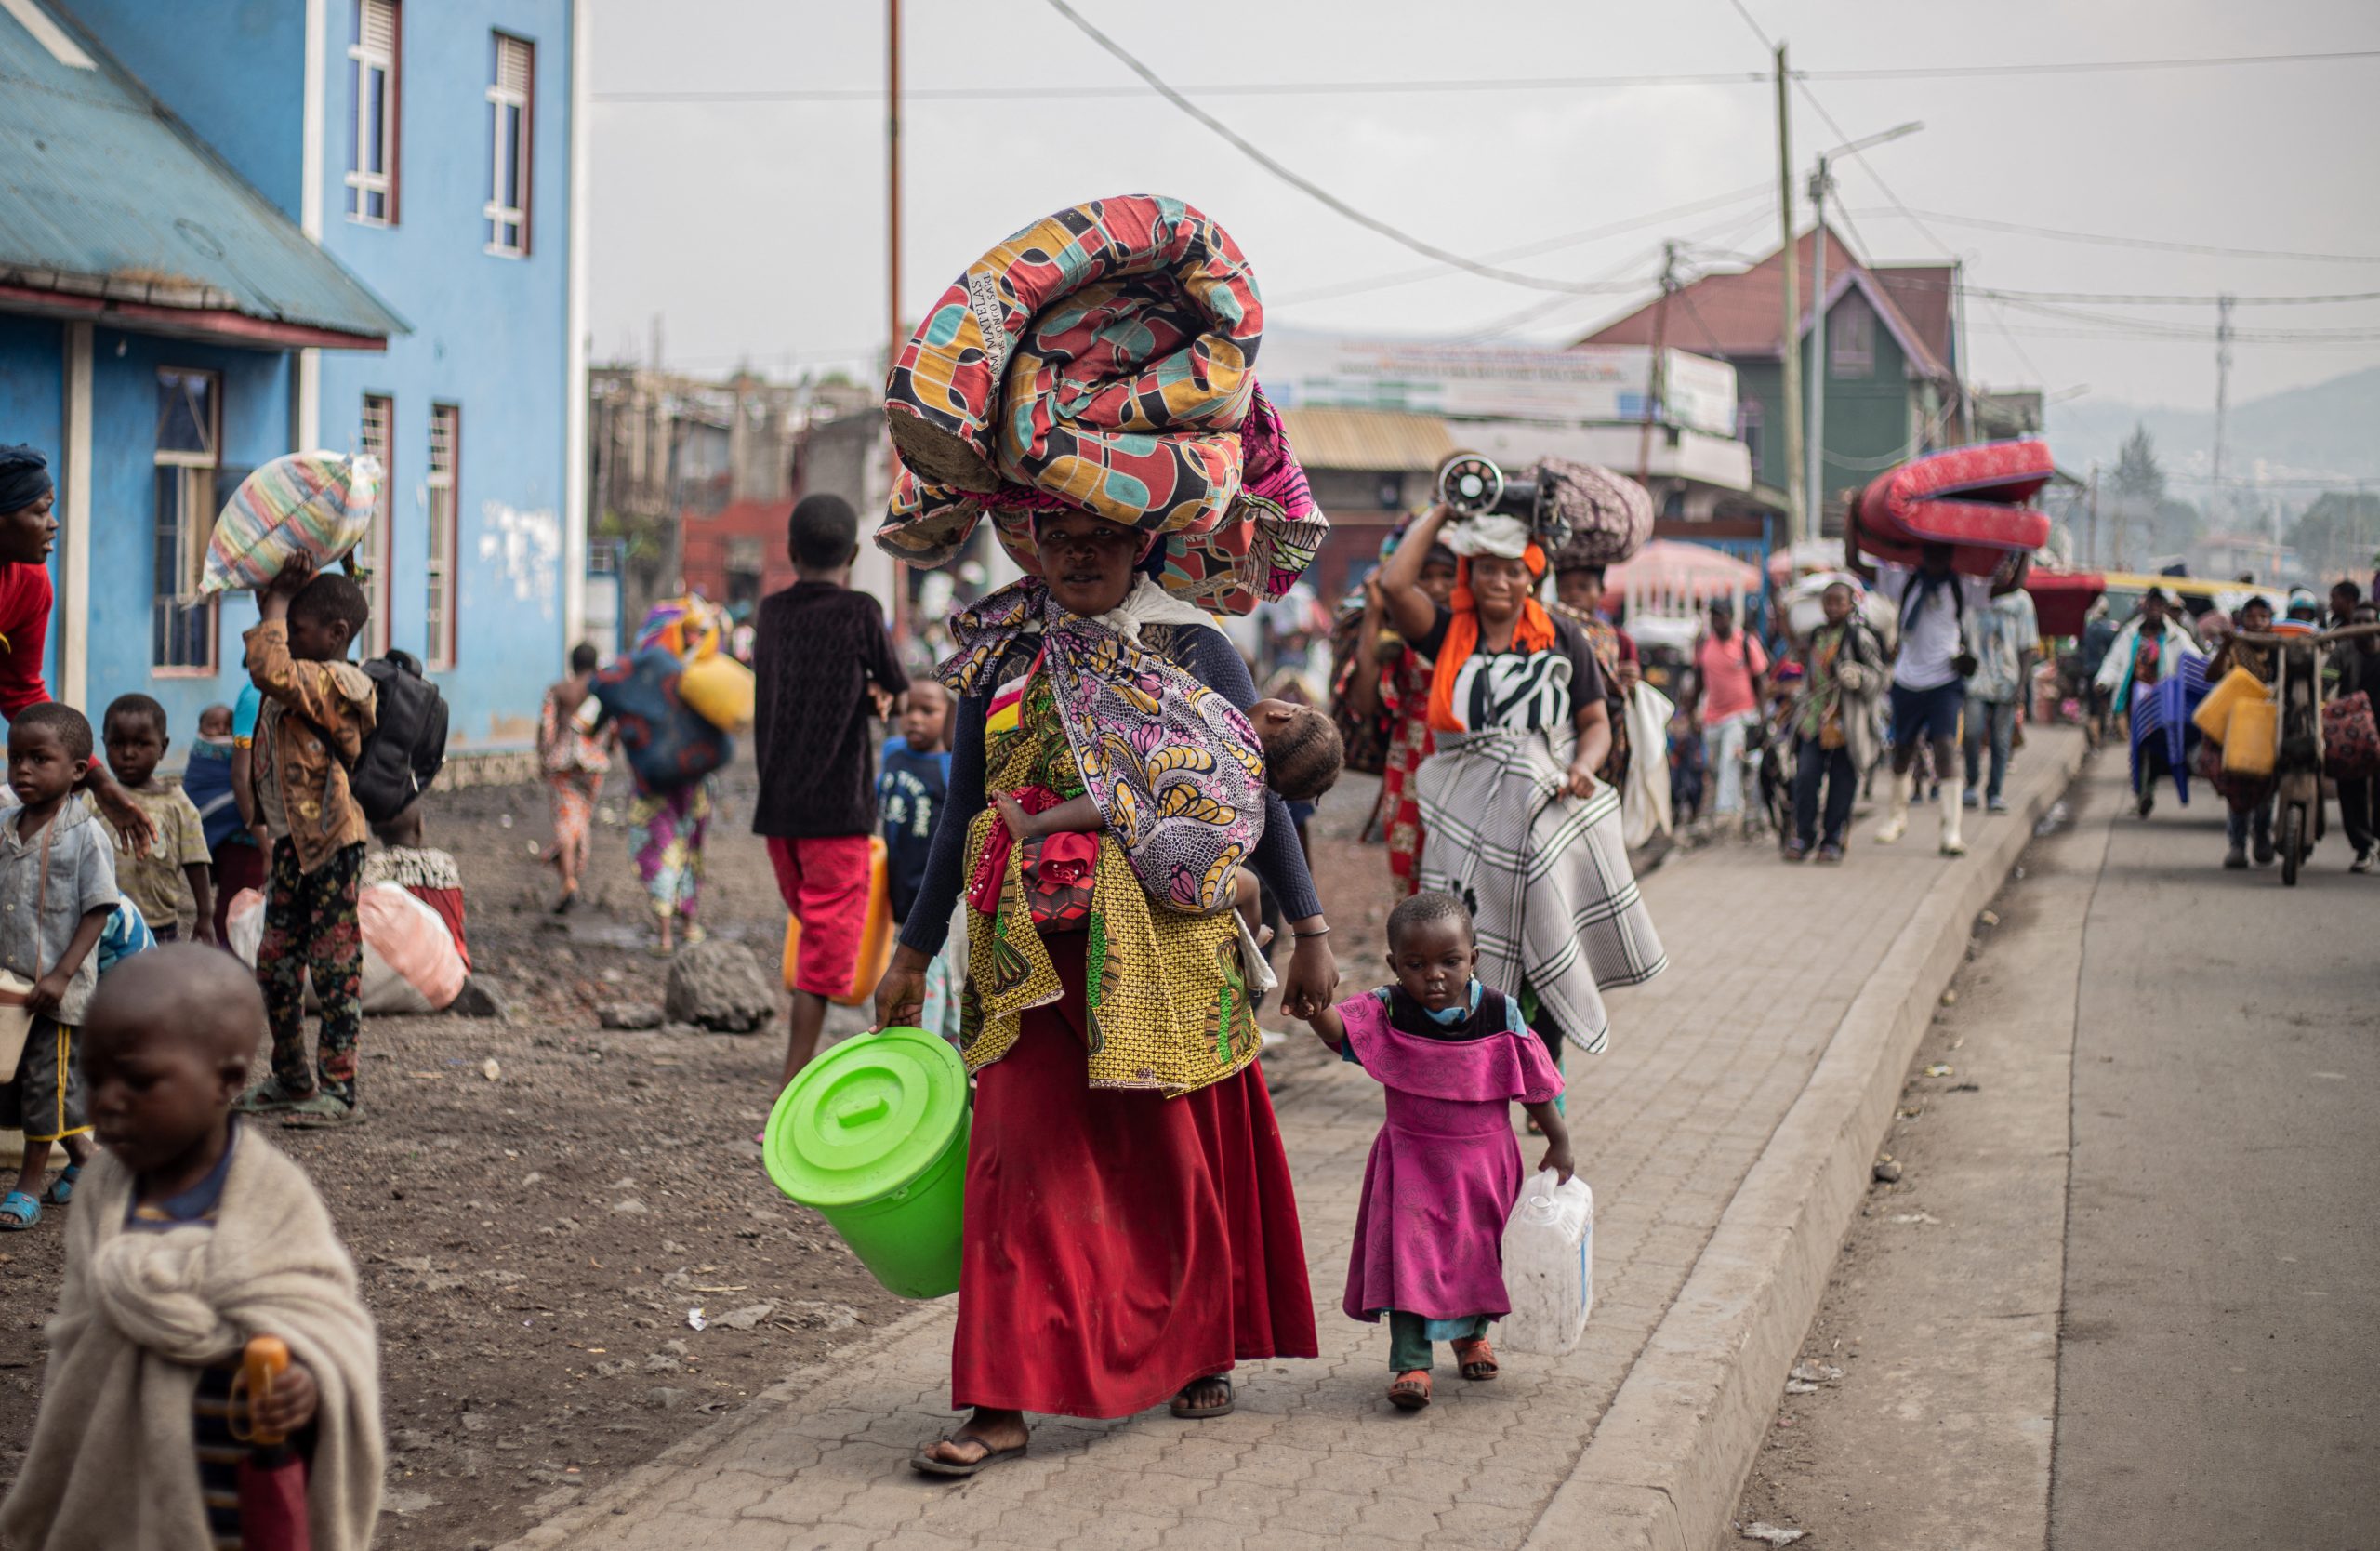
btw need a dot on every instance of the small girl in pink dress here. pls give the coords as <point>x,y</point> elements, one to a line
<point>1445,1168</point>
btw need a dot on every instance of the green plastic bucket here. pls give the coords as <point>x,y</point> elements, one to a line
<point>873,1136</point>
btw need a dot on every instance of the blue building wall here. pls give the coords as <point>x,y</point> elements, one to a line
<point>490,335</point>
<point>232,69</point>
<point>33,406</point>
<point>255,415</point>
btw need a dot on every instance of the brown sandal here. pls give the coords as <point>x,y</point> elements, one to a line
<point>1476,1359</point>
<point>1411,1391</point>
<point>925,1461</point>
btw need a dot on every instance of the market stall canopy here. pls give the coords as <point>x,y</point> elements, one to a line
<point>112,208</point>
<point>1670,566</point>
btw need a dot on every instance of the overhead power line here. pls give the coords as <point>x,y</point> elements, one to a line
<point>1440,85</point>
<point>1527,250</point>
<point>2111,240</point>
<point>2104,298</point>
<point>1316,191</point>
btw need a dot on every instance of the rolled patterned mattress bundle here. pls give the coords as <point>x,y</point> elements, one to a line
<point>1102,361</point>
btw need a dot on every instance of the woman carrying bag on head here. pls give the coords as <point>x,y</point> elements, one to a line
<point>1130,1229</point>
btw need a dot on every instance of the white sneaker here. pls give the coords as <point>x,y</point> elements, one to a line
<point>2363,862</point>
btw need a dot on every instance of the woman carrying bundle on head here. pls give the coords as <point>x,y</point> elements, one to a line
<point>1519,828</point>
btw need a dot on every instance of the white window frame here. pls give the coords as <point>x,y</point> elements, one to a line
<point>376,434</point>
<point>368,54</point>
<point>193,472</point>
<point>509,90</point>
<point>439,568</point>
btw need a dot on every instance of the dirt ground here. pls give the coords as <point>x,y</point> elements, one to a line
<point>532,1241</point>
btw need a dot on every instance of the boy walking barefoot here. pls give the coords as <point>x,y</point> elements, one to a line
<point>317,709</point>
<point>172,880</point>
<point>58,887</point>
<point>824,664</point>
<point>194,1238</point>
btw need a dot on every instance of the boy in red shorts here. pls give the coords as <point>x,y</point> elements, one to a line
<point>825,665</point>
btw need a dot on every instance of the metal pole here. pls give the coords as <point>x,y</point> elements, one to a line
<point>1800,521</point>
<point>896,337</point>
<point>2222,389</point>
<point>1657,374</point>
<point>1814,488</point>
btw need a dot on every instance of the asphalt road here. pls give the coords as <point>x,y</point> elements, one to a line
<point>2219,1361</point>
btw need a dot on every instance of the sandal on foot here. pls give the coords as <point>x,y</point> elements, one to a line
<point>269,1097</point>
<point>320,1111</point>
<point>1476,1359</point>
<point>925,1464</point>
<point>62,1189</point>
<point>19,1212</point>
<point>1411,1391</point>
<point>1183,1407</point>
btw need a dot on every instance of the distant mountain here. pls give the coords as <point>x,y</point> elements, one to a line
<point>2326,432</point>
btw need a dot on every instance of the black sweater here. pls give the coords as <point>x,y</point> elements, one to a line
<point>816,649</point>
<point>1211,658</point>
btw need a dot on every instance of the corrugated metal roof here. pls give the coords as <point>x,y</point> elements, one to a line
<point>104,193</point>
<point>1375,439</point>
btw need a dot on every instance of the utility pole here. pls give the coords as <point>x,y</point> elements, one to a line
<point>896,336</point>
<point>1800,522</point>
<point>1821,184</point>
<point>2092,563</point>
<point>2222,385</point>
<point>1656,375</point>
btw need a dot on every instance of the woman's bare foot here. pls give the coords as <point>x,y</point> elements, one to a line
<point>975,1442</point>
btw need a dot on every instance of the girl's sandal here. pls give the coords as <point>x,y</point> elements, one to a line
<point>926,1463</point>
<point>1411,1391</point>
<point>1184,1407</point>
<point>1477,1358</point>
<point>62,1189</point>
<point>19,1212</point>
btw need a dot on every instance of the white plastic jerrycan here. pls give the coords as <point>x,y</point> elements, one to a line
<point>1549,1265</point>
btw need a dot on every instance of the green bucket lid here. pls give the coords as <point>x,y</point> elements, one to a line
<point>865,1118</point>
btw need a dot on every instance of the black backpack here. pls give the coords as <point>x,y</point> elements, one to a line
<point>406,748</point>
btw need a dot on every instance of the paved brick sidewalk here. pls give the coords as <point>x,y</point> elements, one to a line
<point>1703,1064</point>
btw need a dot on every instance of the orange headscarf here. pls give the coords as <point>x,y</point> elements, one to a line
<point>1533,632</point>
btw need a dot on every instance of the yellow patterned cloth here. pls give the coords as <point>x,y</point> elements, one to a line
<point>1169,1005</point>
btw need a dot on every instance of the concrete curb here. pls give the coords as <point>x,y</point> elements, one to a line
<point>1666,1466</point>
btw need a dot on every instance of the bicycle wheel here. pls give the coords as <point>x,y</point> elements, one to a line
<point>2292,836</point>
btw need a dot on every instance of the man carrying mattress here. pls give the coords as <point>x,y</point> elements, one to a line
<point>1929,679</point>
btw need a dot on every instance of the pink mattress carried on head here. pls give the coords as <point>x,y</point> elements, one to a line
<point>1971,497</point>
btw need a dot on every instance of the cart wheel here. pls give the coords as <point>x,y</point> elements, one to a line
<point>2292,836</point>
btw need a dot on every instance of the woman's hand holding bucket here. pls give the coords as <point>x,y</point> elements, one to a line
<point>901,995</point>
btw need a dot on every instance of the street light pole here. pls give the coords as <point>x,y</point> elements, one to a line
<point>1814,440</point>
<point>1821,185</point>
<point>1799,524</point>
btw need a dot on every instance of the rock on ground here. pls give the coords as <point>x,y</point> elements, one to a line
<point>721,986</point>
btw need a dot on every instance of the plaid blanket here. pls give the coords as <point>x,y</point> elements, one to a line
<point>1553,899</point>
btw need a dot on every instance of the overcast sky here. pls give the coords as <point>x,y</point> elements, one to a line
<point>756,230</point>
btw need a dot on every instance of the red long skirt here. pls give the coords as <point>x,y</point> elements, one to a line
<point>1118,1245</point>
